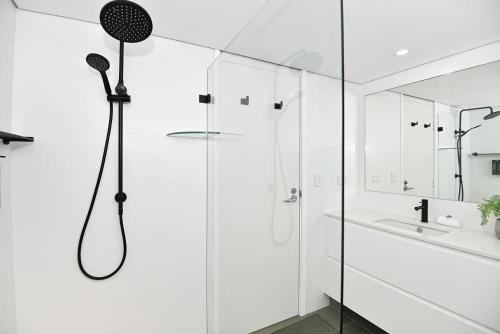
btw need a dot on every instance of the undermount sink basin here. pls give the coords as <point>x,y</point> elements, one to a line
<point>412,227</point>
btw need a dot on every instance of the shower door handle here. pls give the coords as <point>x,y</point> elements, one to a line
<point>293,196</point>
<point>406,187</point>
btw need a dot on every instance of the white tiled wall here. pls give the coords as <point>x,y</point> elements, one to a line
<point>321,143</point>
<point>61,102</point>
<point>7,299</point>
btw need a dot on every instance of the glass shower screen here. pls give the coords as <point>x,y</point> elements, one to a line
<point>274,136</point>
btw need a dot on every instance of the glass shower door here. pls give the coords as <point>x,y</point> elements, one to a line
<point>275,166</point>
<point>254,195</point>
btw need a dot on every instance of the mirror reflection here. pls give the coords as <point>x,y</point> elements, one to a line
<point>438,137</point>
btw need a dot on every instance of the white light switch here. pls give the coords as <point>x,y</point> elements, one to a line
<point>376,178</point>
<point>394,176</point>
<point>318,180</point>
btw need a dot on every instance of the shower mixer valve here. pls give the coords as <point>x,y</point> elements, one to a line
<point>121,94</point>
<point>120,197</point>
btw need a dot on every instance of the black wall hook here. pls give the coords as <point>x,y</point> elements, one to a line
<point>414,123</point>
<point>278,106</point>
<point>427,125</point>
<point>205,98</point>
<point>245,100</point>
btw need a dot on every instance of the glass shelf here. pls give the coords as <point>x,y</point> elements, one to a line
<point>447,148</point>
<point>202,134</point>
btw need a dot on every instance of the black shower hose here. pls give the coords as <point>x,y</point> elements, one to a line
<point>91,207</point>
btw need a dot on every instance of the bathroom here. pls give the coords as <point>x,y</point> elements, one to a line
<point>262,166</point>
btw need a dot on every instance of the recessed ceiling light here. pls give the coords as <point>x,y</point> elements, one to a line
<point>401,52</point>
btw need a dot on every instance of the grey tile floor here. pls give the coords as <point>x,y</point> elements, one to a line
<point>324,321</point>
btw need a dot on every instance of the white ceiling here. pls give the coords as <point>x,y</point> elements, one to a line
<point>474,87</point>
<point>211,23</point>
<point>305,33</point>
<point>430,29</point>
<point>296,34</point>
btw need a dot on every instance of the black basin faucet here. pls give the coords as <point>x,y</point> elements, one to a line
<point>425,210</point>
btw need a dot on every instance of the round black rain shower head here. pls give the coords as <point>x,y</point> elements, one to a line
<point>491,115</point>
<point>97,62</point>
<point>126,21</point>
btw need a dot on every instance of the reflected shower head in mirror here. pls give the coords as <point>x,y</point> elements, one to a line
<point>100,63</point>
<point>492,115</point>
<point>126,21</point>
<point>467,131</point>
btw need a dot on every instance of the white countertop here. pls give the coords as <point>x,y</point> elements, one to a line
<point>466,240</point>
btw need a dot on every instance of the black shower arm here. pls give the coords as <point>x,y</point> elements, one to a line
<point>122,47</point>
<point>478,108</point>
<point>469,109</point>
<point>120,89</point>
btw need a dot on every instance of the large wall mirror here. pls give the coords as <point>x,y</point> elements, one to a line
<point>438,137</point>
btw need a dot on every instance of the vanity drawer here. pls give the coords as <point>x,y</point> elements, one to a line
<point>462,283</point>
<point>392,309</point>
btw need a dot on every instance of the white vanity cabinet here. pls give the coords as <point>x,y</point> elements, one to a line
<point>407,286</point>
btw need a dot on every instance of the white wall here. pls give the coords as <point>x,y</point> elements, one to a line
<point>447,117</point>
<point>321,140</point>
<point>401,204</point>
<point>8,13</point>
<point>417,146</point>
<point>61,102</point>
<point>383,141</point>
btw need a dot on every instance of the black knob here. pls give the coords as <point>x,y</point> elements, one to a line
<point>120,89</point>
<point>120,197</point>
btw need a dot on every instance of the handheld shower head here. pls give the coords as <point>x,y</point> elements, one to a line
<point>491,115</point>
<point>126,21</point>
<point>100,63</point>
